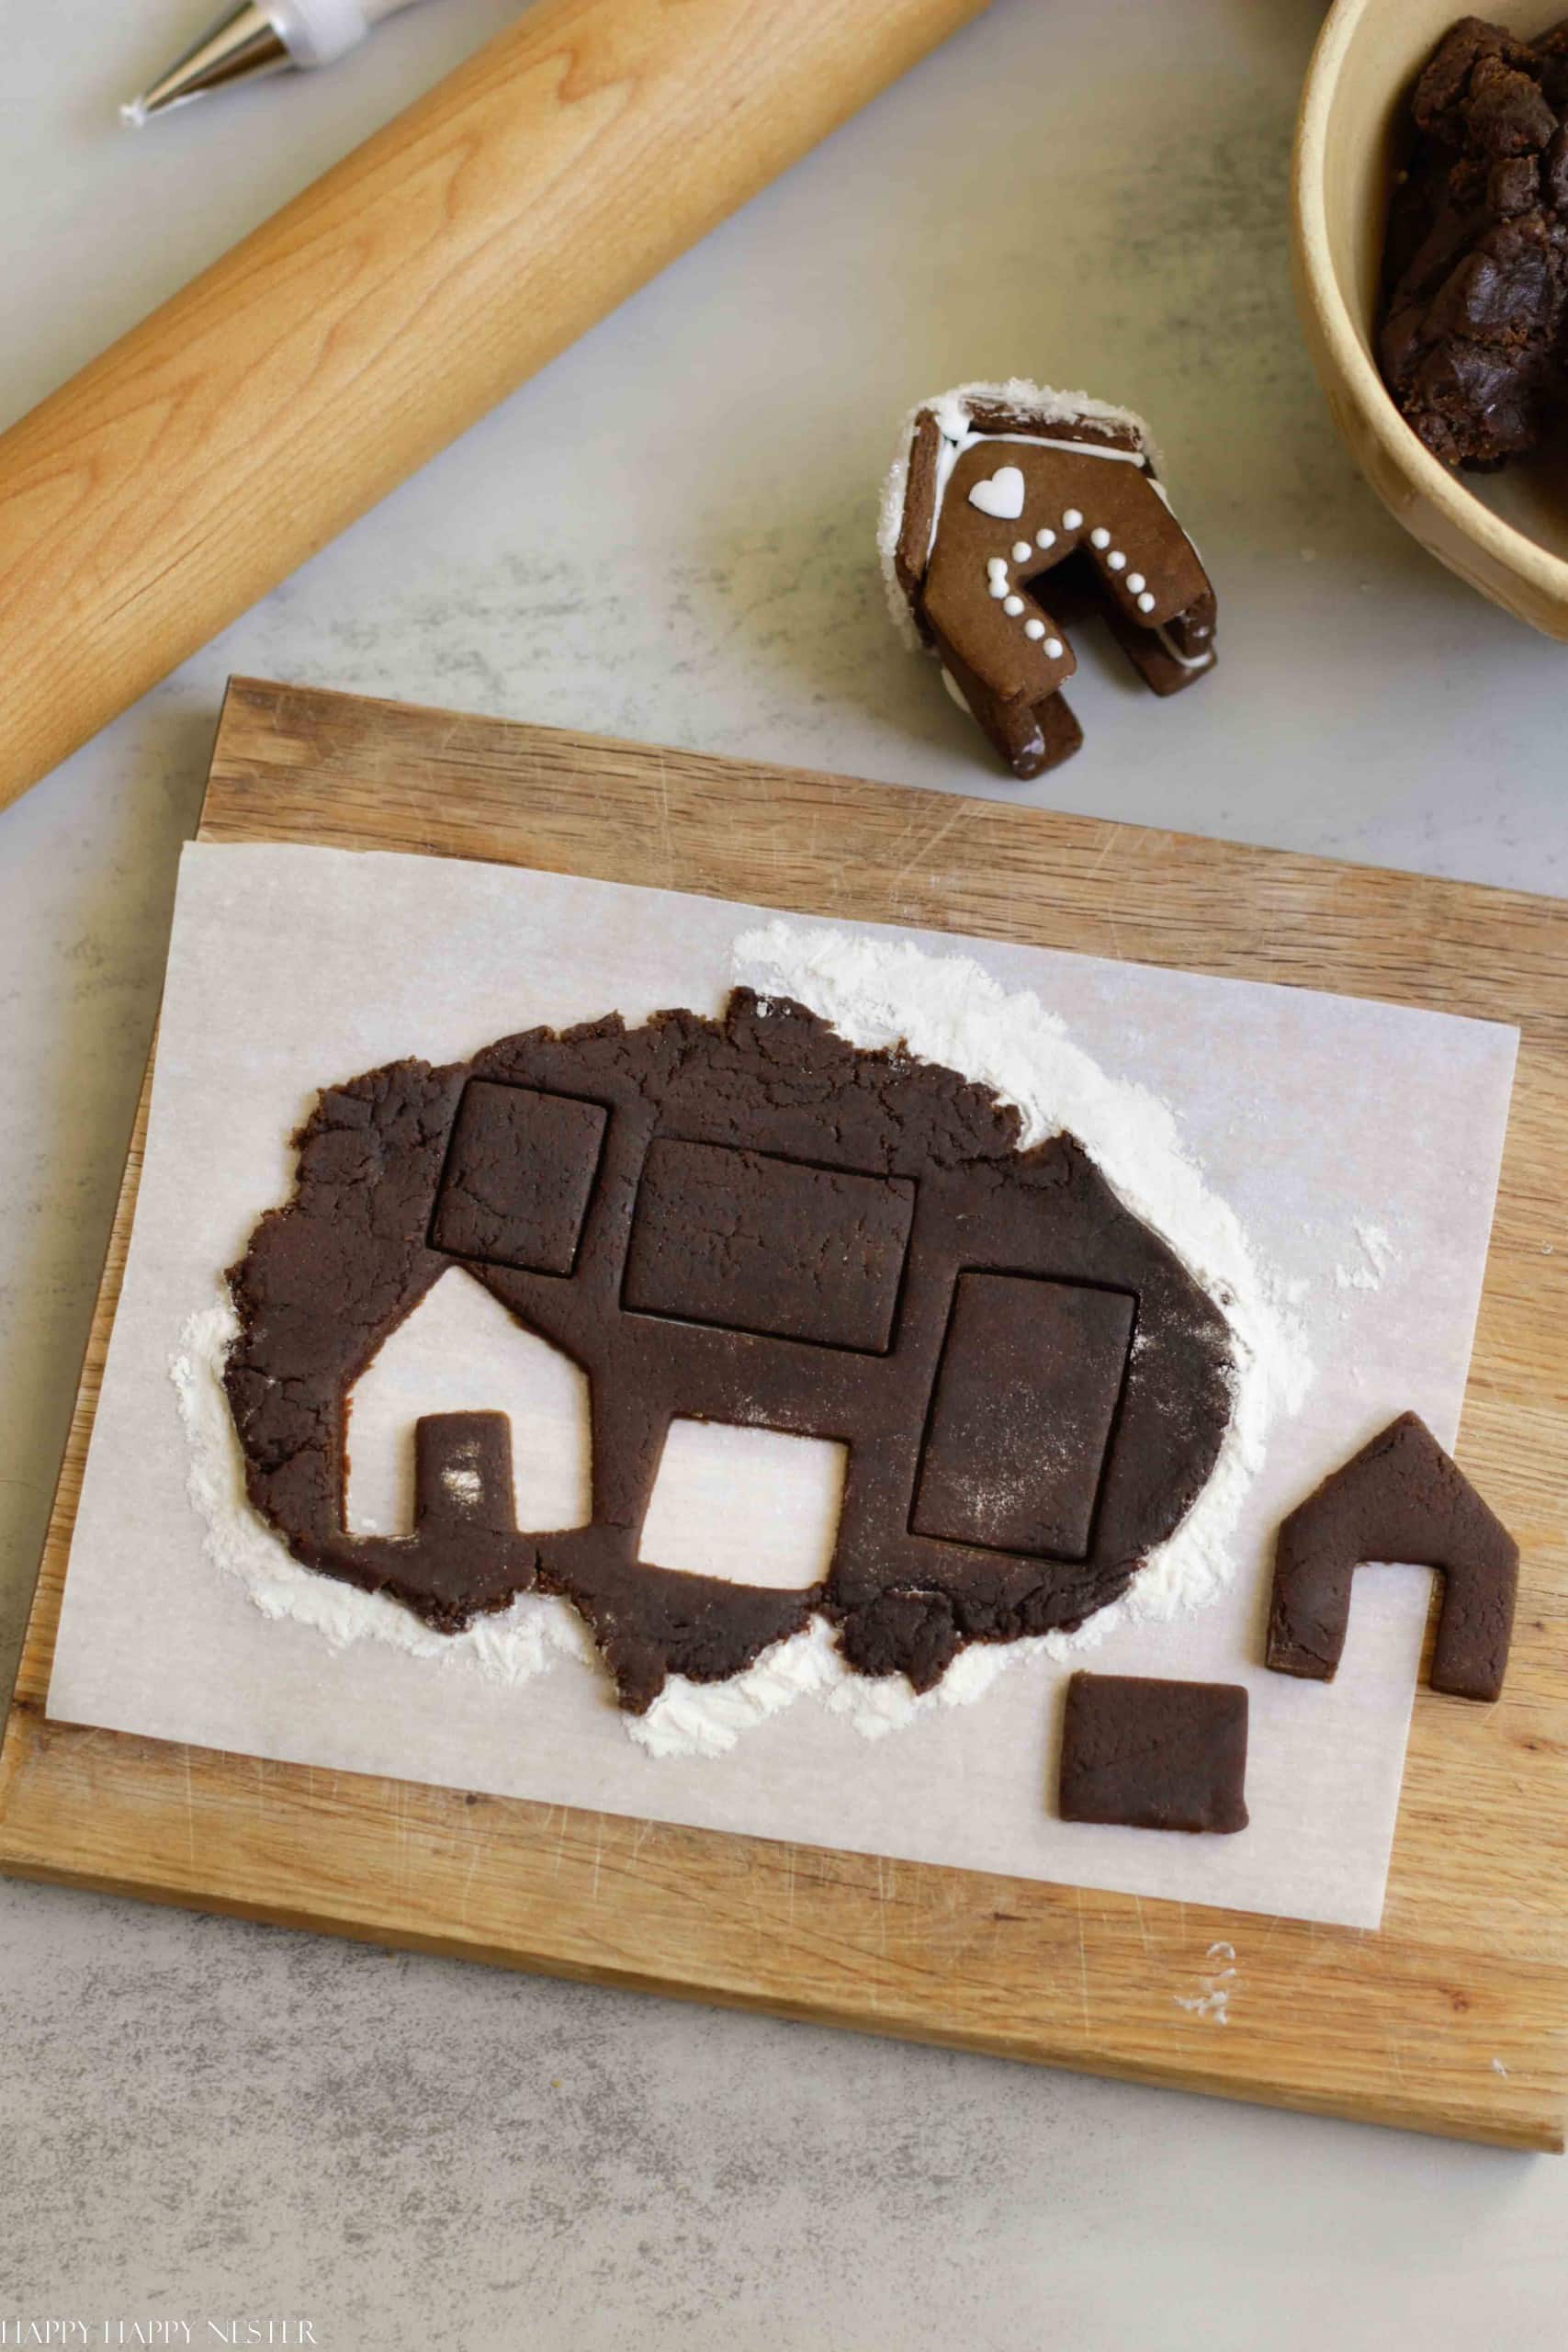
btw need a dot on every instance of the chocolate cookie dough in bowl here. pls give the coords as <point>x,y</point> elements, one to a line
<point>1507,534</point>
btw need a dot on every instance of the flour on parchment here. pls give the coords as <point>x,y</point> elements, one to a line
<point>944,1009</point>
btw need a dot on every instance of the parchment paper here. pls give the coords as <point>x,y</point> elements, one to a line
<point>292,968</point>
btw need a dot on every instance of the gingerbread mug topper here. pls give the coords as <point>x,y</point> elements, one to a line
<point>998,485</point>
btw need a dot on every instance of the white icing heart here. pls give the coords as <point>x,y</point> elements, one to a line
<point>1002,495</point>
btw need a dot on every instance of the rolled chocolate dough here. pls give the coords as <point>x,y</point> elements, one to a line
<point>748,1221</point>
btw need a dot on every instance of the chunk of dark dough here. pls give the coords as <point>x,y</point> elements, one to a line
<point>1473,330</point>
<point>1025,1397</point>
<point>1147,1754</point>
<point>919,1181</point>
<point>518,1177</point>
<point>1400,1498</point>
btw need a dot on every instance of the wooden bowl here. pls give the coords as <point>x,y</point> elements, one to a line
<point>1507,534</point>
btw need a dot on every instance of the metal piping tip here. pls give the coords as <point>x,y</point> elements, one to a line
<point>236,47</point>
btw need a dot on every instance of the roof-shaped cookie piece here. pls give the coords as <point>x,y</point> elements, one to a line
<point>1400,1497</point>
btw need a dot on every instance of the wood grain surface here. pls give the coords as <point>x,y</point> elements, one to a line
<point>1452,2019</point>
<point>255,415</point>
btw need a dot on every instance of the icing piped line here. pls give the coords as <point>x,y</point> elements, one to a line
<point>1188,661</point>
<point>950,451</point>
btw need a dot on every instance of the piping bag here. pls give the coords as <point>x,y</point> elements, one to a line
<point>253,37</point>
<point>178,477</point>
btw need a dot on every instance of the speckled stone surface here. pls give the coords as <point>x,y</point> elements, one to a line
<point>205,2120</point>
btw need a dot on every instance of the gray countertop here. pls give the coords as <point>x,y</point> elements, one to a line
<point>666,536</point>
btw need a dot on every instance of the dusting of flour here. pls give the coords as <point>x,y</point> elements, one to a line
<point>1377,1256</point>
<point>512,1646</point>
<point>944,1009</point>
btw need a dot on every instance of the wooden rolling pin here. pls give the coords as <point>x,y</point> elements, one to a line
<point>261,411</point>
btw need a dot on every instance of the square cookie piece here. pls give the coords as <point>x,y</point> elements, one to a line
<point>1026,1397</point>
<point>1147,1754</point>
<point>518,1176</point>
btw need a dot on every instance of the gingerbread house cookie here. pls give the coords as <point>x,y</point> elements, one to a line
<point>997,486</point>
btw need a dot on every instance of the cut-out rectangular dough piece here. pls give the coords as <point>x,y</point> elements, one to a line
<point>1026,1396</point>
<point>463,1471</point>
<point>1144,1753</point>
<point>518,1177</point>
<point>754,1243</point>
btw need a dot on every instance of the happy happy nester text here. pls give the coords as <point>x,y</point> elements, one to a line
<point>157,2332</point>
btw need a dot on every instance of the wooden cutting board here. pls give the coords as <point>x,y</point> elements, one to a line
<point>1452,2019</point>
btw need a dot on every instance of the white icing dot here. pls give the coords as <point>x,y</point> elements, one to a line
<point>1099,538</point>
<point>996,565</point>
<point>1054,648</point>
<point>1013,607</point>
<point>1020,553</point>
<point>999,583</point>
<point>1116,559</point>
<point>1044,539</point>
<point>1035,629</point>
<point>1145,602</point>
<point>1071,519</point>
<point>1134,580</point>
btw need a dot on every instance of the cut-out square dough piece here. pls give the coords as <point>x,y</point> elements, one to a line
<point>1147,1754</point>
<point>1026,1397</point>
<point>517,1180</point>
<point>770,1246</point>
<point>752,1506</point>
